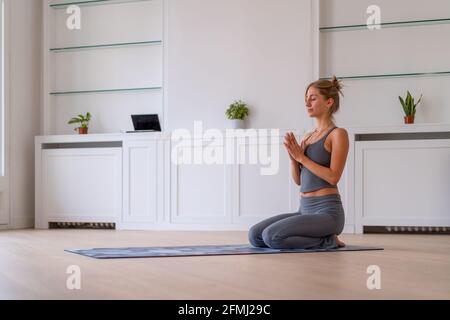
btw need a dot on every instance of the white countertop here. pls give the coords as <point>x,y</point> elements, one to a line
<point>99,137</point>
<point>404,128</point>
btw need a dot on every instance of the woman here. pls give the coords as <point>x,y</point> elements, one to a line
<point>317,164</point>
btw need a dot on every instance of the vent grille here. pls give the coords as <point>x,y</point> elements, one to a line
<point>82,225</point>
<point>407,230</point>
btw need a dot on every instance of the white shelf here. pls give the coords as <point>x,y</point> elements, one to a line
<point>62,5</point>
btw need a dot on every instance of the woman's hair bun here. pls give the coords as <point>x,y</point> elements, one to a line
<point>336,83</point>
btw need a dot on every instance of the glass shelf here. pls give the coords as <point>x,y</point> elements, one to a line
<point>91,3</point>
<point>105,45</point>
<point>392,75</point>
<point>386,24</point>
<point>105,90</point>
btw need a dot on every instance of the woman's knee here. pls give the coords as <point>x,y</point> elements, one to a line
<point>272,238</point>
<point>255,233</point>
<point>255,237</point>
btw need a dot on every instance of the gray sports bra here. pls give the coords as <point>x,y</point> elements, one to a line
<point>317,153</point>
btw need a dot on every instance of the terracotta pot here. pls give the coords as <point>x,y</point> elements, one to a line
<point>82,130</point>
<point>409,119</point>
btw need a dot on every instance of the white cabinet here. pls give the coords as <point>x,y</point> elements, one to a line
<point>106,178</point>
<point>79,184</point>
<point>142,181</point>
<point>402,183</point>
<point>395,177</point>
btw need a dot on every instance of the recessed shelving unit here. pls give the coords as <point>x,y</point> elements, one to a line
<point>409,52</point>
<point>394,24</point>
<point>111,67</point>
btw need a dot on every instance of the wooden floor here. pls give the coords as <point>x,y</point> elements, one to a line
<point>33,265</point>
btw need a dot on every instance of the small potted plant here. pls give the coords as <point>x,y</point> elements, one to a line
<point>83,123</point>
<point>237,112</point>
<point>409,107</point>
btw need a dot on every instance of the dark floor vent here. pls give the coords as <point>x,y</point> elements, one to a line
<point>82,225</point>
<point>406,230</point>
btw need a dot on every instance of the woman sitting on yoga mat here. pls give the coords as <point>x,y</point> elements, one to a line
<point>317,164</point>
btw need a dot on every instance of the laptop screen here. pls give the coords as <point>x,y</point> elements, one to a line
<point>146,122</point>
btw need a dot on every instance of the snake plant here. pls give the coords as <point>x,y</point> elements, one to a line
<point>409,107</point>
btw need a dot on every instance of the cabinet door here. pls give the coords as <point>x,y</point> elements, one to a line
<point>200,192</point>
<point>81,184</point>
<point>141,175</point>
<point>402,183</point>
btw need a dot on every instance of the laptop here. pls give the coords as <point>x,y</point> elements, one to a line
<point>145,123</point>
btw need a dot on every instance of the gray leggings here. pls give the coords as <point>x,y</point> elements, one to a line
<point>314,225</point>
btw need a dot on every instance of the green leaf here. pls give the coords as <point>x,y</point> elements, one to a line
<point>408,101</point>
<point>405,109</point>
<point>72,121</point>
<point>419,100</point>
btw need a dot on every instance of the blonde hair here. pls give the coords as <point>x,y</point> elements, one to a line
<point>329,89</point>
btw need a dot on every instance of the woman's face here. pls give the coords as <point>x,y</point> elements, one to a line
<point>316,104</point>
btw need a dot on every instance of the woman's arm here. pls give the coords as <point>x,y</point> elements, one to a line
<point>339,151</point>
<point>295,169</point>
<point>295,165</point>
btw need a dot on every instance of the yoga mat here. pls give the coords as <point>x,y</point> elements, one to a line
<point>211,250</point>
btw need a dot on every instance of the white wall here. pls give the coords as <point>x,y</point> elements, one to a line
<point>24,108</point>
<point>255,50</point>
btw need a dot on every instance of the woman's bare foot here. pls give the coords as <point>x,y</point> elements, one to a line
<point>339,243</point>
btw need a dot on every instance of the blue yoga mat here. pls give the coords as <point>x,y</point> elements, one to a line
<point>211,250</point>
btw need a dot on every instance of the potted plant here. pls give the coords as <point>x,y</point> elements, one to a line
<point>237,112</point>
<point>83,123</point>
<point>409,107</point>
